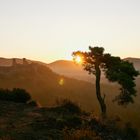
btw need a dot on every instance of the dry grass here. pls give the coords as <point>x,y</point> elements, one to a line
<point>84,134</point>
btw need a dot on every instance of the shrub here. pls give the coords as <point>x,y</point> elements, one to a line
<point>15,95</point>
<point>80,134</point>
<point>69,107</point>
<point>73,121</point>
<point>130,133</point>
<point>34,103</point>
<point>20,95</point>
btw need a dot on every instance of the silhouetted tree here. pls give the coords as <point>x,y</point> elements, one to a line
<point>14,63</point>
<point>25,62</point>
<point>116,70</point>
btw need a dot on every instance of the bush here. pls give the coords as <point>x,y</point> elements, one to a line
<point>73,121</point>
<point>80,134</point>
<point>15,95</point>
<point>130,133</point>
<point>69,107</point>
<point>33,103</point>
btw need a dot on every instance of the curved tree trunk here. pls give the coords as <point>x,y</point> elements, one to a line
<point>98,91</point>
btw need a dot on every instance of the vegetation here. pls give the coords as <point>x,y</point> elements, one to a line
<point>115,69</point>
<point>21,121</point>
<point>68,106</point>
<point>43,85</point>
<point>15,95</point>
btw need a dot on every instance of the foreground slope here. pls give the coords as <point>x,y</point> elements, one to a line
<point>66,121</point>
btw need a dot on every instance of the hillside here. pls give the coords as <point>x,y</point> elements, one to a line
<point>70,69</point>
<point>135,61</point>
<point>66,121</point>
<point>9,61</point>
<point>44,85</point>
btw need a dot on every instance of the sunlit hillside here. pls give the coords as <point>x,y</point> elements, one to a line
<point>73,70</point>
<point>135,61</point>
<point>70,69</point>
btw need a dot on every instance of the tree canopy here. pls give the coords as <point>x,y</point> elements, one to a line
<point>115,69</point>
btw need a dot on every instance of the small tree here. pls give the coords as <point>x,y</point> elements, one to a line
<point>116,70</point>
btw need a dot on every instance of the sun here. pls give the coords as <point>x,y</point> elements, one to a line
<point>78,60</point>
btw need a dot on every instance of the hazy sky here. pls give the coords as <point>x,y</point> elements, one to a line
<point>47,30</point>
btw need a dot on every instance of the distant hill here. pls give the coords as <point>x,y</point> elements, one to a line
<point>70,69</point>
<point>62,67</point>
<point>9,61</point>
<point>135,61</point>
<point>44,85</point>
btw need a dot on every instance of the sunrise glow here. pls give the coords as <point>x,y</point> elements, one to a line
<point>78,59</point>
<point>51,30</point>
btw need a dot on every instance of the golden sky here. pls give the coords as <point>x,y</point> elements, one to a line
<point>48,30</point>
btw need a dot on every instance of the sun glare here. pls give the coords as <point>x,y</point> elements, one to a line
<point>78,60</point>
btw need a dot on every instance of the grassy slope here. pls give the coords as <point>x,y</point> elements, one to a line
<point>63,122</point>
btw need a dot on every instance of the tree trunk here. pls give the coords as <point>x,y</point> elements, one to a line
<point>98,91</point>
